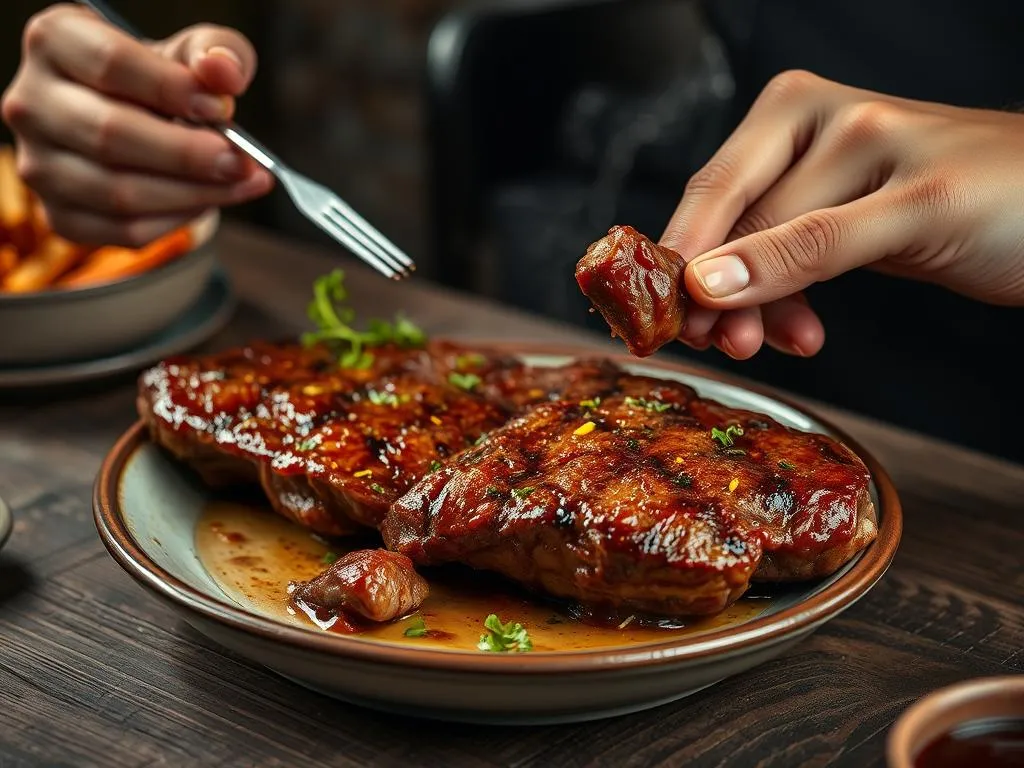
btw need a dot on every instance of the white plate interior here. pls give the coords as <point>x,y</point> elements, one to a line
<point>162,503</point>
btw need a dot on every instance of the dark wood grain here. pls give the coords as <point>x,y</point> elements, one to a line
<point>95,672</point>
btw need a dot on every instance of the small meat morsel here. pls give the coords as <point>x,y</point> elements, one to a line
<point>372,584</point>
<point>637,286</point>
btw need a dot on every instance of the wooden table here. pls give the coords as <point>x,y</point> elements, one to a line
<point>93,671</point>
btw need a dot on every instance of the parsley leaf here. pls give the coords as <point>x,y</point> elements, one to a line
<point>382,398</point>
<point>377,488</point>
<point>435,465</point>
<point>726,436</point>
<point>334,322</point>
<point>417,629</point>
<point>787,464</point>
<point>466,381</point>
<point>592,403</point>
<point>471,360</point>
<point>522,493</point>
<point>651,405</point>
<point>504,638</point>
<point>330,557</point>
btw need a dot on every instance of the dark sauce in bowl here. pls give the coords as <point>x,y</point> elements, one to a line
<point>994,743</point>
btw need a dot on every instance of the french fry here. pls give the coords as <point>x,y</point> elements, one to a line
<point>40,269</point>
<point>8,258</point>
<point>15,214</point>
<point>113,263</point>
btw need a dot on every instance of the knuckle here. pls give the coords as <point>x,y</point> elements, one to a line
<point>789,85</point>
<point>14,108</point>
<point>40,28</point>
<point>803,247</point>
<point>715,177</point>
<point>866,120</point>
<point>104,135</point>
<point>754,220</point>
<point>121,197</point>
<point>30,167</point>
<point>110,56</point>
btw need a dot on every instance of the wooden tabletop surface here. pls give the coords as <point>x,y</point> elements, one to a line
<point>94,671</point>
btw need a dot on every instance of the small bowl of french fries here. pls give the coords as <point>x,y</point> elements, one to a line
<point>63,302</point>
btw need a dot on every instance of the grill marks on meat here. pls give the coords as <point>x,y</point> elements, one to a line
<point>637,286</point>
<point>646,512</point>
<point>333,448</point>
<point>371,584</point>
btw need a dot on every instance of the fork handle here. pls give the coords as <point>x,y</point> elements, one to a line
<point>231,131</point>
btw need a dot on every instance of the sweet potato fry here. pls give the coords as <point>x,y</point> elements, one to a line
<point>113,263</point>
<point>15,214</point>
<point>40,269</point>
<point>8,258</point>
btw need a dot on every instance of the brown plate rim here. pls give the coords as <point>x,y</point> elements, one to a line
<point>761,631</point>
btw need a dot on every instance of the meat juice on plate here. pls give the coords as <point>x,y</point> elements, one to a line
<point>253,554</point>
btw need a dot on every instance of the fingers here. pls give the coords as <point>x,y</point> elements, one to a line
<point>819,245</point>
<point>121,135</point>
<point>73,181</point>
<point>739,333</point>
<point>792,327</point>
<point>90,228</point>
<point>221,58</point>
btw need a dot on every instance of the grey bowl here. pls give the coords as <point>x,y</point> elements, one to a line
<point>86,323</point>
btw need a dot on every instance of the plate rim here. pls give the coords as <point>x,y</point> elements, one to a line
<point>761,631</point>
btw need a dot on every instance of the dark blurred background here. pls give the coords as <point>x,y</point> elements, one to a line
<point>495,140</point>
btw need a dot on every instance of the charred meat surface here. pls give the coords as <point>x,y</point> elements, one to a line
<point>372,584</point>
<point>333,447</point>
<point>637,286</point>
<point>652,500</point>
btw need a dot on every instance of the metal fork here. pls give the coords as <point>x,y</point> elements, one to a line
<point>319,204</point>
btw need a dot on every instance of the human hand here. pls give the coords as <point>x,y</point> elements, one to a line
<point>821,178</point>
<point>93,112</point>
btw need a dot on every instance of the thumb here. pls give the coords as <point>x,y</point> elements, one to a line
<point>223,60</point>
<point>783,260</point>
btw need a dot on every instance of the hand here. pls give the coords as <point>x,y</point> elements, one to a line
<point>821,178</point>
<point>93,113</point>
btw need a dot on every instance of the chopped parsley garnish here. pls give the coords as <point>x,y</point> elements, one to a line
<point>435,465</point>
<point>683,480</point>
<point>591,403</point>
<point>377,488</point>
<point>633,444</point>
<point>472,360</point>
<point>726,436</point>
<point>307,445</point>
<point>504,638</point>
<point>480,439</point>
<point>650,405</point>
<point>330,557</point>
<point>787,464</point>
<point>333,320</point>
<point>494,492</point>
<point>382,398</point>
<point>466,381</point>
<point>417,629</point>
<point>522,493</point>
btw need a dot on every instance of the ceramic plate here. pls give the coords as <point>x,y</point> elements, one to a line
<point>151,514</point>
<point>207,315</point>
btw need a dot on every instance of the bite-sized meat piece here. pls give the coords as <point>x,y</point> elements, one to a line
<point>652,500</point>
<point>637,286</point>
<point>372,584</point>
<point>333,447</point>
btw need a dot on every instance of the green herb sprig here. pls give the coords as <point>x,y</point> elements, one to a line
<point>417,629</point>
<point>504,638</point>
<point>334,322</point>
<point>726,437</point>
<point>466,381</point>
<point>650,405</point>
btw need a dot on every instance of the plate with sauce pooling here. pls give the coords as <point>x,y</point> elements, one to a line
<point>225,561</point>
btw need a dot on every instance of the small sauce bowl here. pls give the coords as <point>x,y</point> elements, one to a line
<point>968,712</point>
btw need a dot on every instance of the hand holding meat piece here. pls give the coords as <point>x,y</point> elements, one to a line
<point>637,286</point>
<point>371,584</point>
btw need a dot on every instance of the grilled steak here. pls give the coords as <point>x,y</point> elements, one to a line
<point>333,447</point>
<point>653,500</point>
<point>637,286</point>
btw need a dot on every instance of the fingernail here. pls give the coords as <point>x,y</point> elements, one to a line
<point>722,276</point>
<point>229,165</point>
<point>220,50</point>
<point>206,106</point>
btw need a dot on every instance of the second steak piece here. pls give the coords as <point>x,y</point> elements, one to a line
<point>637,286</point>
<point>653,501</point>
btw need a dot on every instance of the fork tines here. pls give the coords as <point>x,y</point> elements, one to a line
<point>365,241</point>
